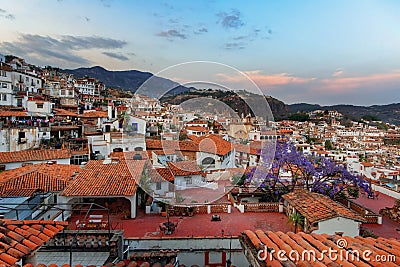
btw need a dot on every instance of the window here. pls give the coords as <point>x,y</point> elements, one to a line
<point>158,186</point>
<point>134,126</point>
<point>4,85</point>
<point>188,180</point>
<point>21,138</point>
<point>4,97</point>
<point>171,187</point>
<point>39,105</point>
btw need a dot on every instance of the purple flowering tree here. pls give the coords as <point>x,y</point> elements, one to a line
<point>320,175</point>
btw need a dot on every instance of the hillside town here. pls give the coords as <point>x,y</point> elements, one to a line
<point>132,181</point>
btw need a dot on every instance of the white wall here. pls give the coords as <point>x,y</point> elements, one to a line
<point>339,224</point>
<point>164,188</point>
<point>181,183</point>
<point>31,106</point>
<point>9,139</point>
<point>386,191</point>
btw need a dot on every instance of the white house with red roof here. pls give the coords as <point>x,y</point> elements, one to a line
<point>215,153</point>
<point>114,180</point>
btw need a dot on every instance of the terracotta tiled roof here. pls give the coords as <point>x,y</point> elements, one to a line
<point>63,112</point>
<point>320,244</point>
<point>9,113</point>
<point>101,178</point>
<point>43,177</point>
<point>34,155</point>
<point>367,164</point>
<point>316,207</point>
<point>214,144</point>
<point>183,168</point>
<point>249,149</point>
<point>171,144</point>
<point>166,174</point>
<point>19,238</point>
<point>94,114</point>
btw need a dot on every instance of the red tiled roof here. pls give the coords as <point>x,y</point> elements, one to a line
<point>34,155</point>
<point>319,244</point>
<point>42,177</point>
<point>316,207</point>
<point>183,168</point>
<point>166,174</point>
<point>367,164</point>
<point>20,238</point>
<point>118,178</point>
<point>9,113</point>
<point>171,144</point>
<point>94,114</point>
<point>63,112</point>
<point>214,144</point>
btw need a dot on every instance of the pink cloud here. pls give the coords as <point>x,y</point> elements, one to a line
<point>339,83</point>
<point>263,80</point>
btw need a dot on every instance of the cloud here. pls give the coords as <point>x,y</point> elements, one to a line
<point>63,50</point>
<point>235,45</point>
<point>171,34</point>
<point>6,15</point>
<point>266,80</point>
<point>339,83</point>
<point>242,41</point>
<point>337,73</point>
<point>106,3</point>
<point>201,30</point>
<point>231,20</point>
<point>116,56</point>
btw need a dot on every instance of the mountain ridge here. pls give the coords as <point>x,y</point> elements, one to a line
<point>131,80</point>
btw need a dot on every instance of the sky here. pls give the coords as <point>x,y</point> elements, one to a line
<point>324,52</point>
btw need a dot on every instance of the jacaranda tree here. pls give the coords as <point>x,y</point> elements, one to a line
<point>317,174</point>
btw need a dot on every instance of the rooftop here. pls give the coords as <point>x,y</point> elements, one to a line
<point>107,178</point>
<point>20,238</point>
<point>318,243</point>
<point>44,177</point>
<point>316,207</point>
<point>34,155</point>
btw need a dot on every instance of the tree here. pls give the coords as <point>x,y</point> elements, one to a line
<point>328,145</point>
<point>299,117</point>
<point>238,179</point>
<point>297,219</point>
<point>320,175</point>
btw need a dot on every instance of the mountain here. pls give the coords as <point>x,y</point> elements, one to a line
<point>218,100</point>
<point>387,113</point>
<point>131,80</point>
<point>173,92</point>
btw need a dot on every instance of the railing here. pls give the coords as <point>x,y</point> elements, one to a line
<point>261,207</point>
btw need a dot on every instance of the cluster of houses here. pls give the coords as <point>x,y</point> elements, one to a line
<point>63,143</point>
